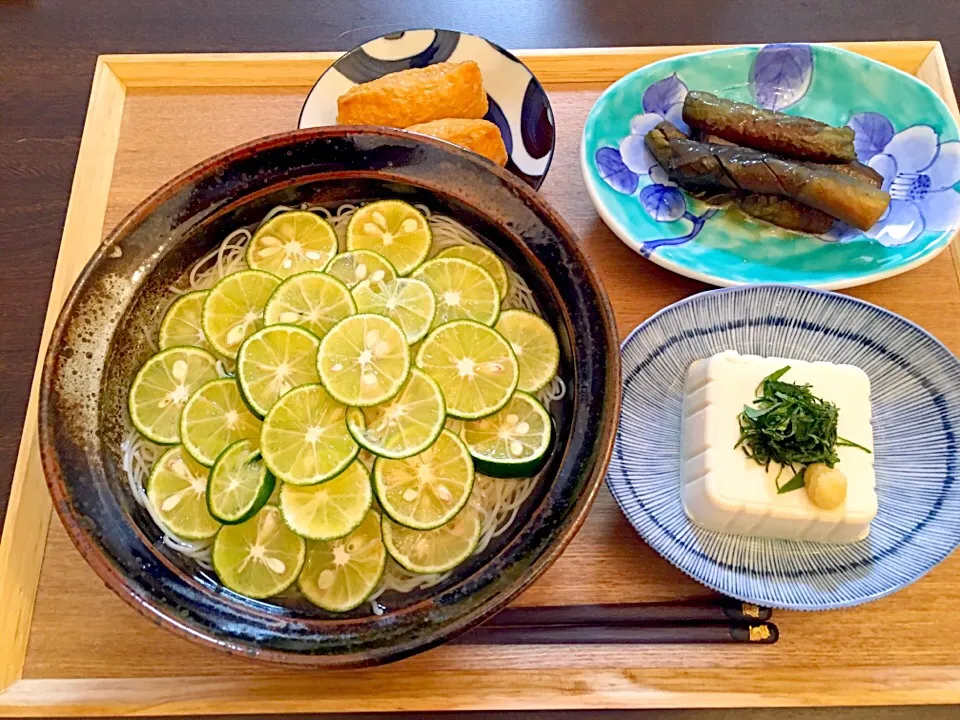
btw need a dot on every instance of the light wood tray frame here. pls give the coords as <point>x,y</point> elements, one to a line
<point>69,647</point>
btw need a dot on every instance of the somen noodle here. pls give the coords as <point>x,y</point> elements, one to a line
<point>497,501</point>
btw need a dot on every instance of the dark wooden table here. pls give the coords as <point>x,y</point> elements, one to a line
<point>48,50</point>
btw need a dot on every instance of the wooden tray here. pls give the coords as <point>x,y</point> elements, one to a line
<point>68,646</point>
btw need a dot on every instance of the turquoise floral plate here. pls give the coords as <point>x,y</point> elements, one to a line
<point>904,131</point>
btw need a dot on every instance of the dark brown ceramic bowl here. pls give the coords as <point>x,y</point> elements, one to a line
<point>98,345</point>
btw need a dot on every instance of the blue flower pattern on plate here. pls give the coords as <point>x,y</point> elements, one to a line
<point>663,203</point>
<point>623,167</point>
<point>612,169</point>
<point>919,172</point>
<point>872,132</point>
<point>911,144</point>
<point>781,75</point>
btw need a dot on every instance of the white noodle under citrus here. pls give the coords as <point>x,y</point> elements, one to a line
<point>495,502</point>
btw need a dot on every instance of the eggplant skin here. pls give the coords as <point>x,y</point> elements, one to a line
<point>774,209</point>
<point>855,169</point>
<point>704,165</point>
<point>742,124</point>
<point>785,213</point>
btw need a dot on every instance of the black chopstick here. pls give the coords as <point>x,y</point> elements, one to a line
<point>707,633</point>
<point>699,620</point>
<point>719,610</point>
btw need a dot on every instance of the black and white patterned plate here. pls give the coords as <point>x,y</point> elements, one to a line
<point>518,103</point>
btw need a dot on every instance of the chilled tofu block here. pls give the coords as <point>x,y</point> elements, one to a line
<point>724,490</point>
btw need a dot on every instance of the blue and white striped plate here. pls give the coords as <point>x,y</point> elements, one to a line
<point>915,393</point>
<point>519,105</point>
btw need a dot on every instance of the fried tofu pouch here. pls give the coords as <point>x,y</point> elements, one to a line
<point>419,95</point>
<point>481,136</point>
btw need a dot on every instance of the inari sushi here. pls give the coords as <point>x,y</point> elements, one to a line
<point>481,136</point>
<point>419,95</point>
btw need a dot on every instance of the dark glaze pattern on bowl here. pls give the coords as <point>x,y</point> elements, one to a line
<point>99,343</point>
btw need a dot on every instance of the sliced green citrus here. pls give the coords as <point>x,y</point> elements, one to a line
<point>474,366</point>
<point>340,574</point>
<point>433,551</point>
<point>331,509</point>
<point>426,490</point>
<point>464,290</point>
<point>273,361</point>
<point>259,558</point>
<point>394,229</point>
<point>214,418</point>
<point>177,489</point>
<point>512,442</point>
<point>239,484</point>
<point>357,268</point>
<point>484,258</point>
<point>304,439</point>
<point>535,345</point>
<point>454,425</point>
<point>311,300</point>
<point>181,324</point>
<point>291,243</point>
<point>404,426</point>
<point>162,387</point>
<point>364,360</point>
<point>233,310</point>
<point>409,303</point>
